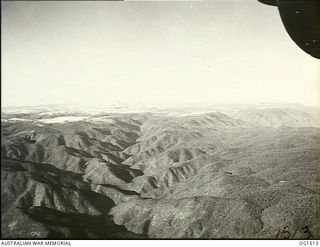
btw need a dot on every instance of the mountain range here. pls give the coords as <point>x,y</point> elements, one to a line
<point>222,172</point>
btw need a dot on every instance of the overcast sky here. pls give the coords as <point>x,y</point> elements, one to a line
<point>96,53</point>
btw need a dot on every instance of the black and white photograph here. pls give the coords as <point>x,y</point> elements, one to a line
<point>160,120</point>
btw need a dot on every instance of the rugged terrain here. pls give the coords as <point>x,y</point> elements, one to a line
<point>250,172</point>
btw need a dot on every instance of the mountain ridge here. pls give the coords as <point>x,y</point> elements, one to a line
<point>232,174</point>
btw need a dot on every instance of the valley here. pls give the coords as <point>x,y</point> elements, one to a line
<point>244,173</point>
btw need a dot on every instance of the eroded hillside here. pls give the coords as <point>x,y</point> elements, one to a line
<point>248,174</point>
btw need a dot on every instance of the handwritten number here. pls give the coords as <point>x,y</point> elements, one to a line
<point>306,232</point>
<point>286,232</point>
<point>294,233</point>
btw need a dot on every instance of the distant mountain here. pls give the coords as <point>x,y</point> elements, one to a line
<point>234,173</point>
<point>275,117</point>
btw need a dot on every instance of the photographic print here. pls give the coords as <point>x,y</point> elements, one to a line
<point>160,119</point>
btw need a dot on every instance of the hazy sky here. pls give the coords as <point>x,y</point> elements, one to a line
<point>173,52</point>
